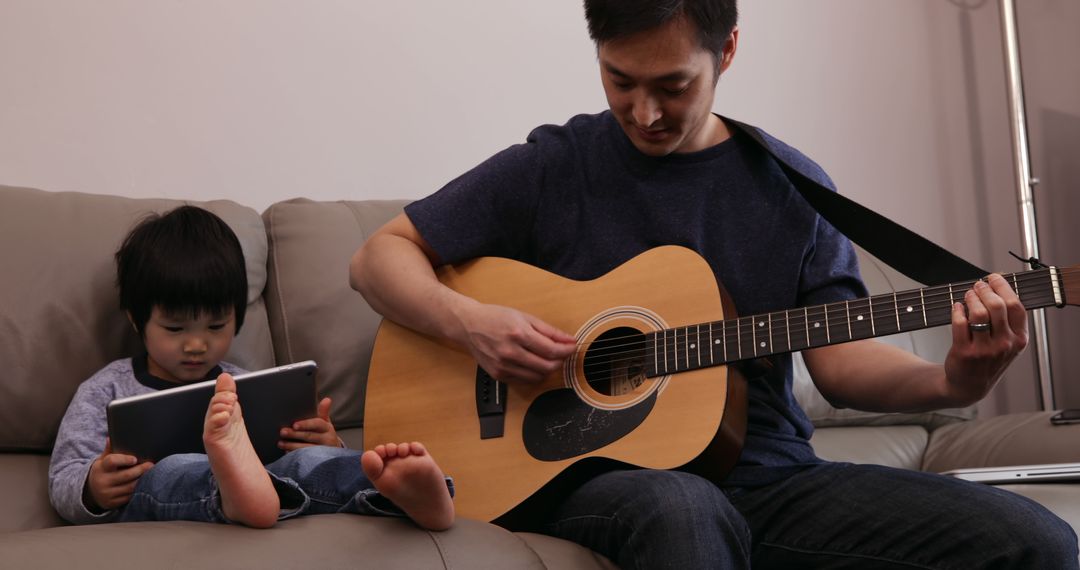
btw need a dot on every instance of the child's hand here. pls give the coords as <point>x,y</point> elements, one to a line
<point>112,479</point>
<point>312,431</point>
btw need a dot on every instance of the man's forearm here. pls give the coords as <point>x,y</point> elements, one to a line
<point>396,278</point>
<point>873,376</point>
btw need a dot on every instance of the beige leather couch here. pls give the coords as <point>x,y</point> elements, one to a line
<point>59,323</point>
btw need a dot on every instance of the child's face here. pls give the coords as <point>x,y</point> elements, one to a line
<point>184,349</point>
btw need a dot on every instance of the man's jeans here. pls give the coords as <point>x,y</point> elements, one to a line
<point>834,515</point>
<point>310,480</point>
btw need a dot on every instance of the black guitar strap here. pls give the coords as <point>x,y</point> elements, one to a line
<point>904,250</point>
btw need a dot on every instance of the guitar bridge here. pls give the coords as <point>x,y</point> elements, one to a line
<point>490,404</point>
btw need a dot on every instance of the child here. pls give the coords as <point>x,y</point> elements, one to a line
<point>183,284</point>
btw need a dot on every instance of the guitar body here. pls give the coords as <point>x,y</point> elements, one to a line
<point>600,409</point>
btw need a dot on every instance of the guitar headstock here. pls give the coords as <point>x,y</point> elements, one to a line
<point>1070,281</point>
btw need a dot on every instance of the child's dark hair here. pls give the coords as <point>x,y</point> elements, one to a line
<point>186,262</point>
<point>613,19</point>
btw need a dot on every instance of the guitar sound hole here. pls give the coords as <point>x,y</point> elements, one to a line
<point>615,362</point>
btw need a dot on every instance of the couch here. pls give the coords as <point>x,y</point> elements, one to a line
<point>59,323</point>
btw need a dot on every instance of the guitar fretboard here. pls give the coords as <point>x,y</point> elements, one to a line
<point>715,343</point>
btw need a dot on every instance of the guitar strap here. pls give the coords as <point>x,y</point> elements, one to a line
<point>904,250</point>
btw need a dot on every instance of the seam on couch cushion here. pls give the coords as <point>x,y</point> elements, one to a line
<point>271,237</point>
<point>356,216</point>
<point>541,561</point>
<point>439,548</point>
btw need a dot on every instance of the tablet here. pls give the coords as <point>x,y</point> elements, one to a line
<point>155,425</point>
<point>1020,473</point>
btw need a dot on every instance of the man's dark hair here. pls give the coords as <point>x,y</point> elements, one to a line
<point>186,262</point>
<point>613,19</point>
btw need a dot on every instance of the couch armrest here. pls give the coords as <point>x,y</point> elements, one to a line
<point>1013,439</point>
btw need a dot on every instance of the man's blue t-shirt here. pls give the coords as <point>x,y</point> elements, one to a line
<point>579,200</point>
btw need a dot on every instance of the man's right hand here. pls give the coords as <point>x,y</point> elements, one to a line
<point>513,346</point>
<point>112,480</point>
<point>395,272</point>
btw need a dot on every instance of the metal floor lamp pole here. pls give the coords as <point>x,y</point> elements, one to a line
<point>1025,182</point>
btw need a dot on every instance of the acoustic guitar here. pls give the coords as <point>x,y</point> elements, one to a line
<point>649,387</point>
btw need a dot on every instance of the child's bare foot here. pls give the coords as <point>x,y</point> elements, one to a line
<point>408,476</point>
<point>247,494</point>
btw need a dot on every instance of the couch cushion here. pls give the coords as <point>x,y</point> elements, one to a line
<point>60,320</point>
<point>893,446</point>
<point>559,553</point>
<point>314,314</point>
<point>320,541</point>
<point>24,492</point>
<point>1011,439</point>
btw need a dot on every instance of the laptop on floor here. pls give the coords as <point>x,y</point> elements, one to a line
<point>1020,473</point>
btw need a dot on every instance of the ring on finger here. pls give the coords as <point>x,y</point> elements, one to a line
<point>979,327</point>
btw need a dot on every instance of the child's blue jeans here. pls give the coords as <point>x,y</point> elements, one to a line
<point>310,480</point>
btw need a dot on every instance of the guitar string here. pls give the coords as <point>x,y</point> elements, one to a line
<point>937,303</point>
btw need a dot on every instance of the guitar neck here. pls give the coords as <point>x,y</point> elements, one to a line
<point>716,343</point>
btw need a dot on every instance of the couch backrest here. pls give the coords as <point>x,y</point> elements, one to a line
<point>314,314</point>
<point>60,319</point>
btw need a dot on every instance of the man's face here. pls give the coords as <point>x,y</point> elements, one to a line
<point>184,349</point>
<point>660,85</point>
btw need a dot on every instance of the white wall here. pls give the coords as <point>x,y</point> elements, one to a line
<point>1052,83</point>
<point>902,101</point>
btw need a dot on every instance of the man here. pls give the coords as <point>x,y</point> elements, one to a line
<point>660,168</point>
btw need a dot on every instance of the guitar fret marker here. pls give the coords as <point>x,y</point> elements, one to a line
<point>723,336</point>
<point>787,328</point>
<point>895,304</point>
<point>665,351</point>
<point>738,338</point>
<point>847,315</point>
<point>711,359</point>
<point>806,319</point>
<point>698,329</point>
<point>655,355</point>
<point>870,310</point>
<point>770,334</point>
<point>828,337</point>
<point>922,303</point>
<point>686,343</point>
<point>753,339</point>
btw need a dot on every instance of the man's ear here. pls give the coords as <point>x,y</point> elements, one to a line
<point>728,52</point>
